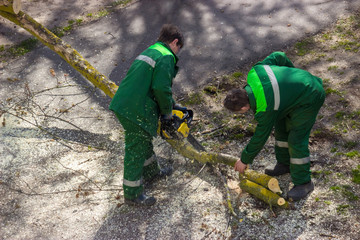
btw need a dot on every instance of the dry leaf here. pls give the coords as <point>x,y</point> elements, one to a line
<point>13,79</point>
<point>52,72</point>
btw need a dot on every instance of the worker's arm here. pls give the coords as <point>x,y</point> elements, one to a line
<point>163,75</point>
<point>263,129</point>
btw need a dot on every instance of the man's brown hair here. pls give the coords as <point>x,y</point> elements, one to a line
<point>236,99</point>
<point>169,33</point>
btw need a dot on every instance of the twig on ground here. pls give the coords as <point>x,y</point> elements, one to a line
<point>212,130</point>
<point>192,179</point>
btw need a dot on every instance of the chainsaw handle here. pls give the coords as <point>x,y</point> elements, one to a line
<point>191,114</point>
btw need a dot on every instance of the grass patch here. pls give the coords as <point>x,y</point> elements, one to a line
<point>350,144</point>
<point>341,209</point>
<point>317,133</point>
<point>67,28</point>
<point>193,99</point>
<point>345,191</point>
<point>237,74</point>
<point>211,90</point>
<point>321,173</point>
<point>102,13</point>
<point>235,132</point>
<point>303,47</point>
<point>352,154</point>
<point>333,68</point>
<point>78,21</point>
<point>340,115</point>
<point>23,48</point>
<point>332,91</point>
<point>356,175</point>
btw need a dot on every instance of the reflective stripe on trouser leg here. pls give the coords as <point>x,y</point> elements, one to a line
<point>138,148</point>
<point>151,167</point>
<point>281,142</point>
<point>300,170</point>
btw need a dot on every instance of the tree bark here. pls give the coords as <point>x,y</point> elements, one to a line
<point>10,6</point>
<point>187,150</point>
<point>262,179</point>
<point>263,194</point>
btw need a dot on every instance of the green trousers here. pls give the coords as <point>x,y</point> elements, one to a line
<point>292,139</point>
<point>139,160</point>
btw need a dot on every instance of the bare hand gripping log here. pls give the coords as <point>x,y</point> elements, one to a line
<point>11,10</point>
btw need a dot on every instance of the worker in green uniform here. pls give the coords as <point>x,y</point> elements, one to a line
<point>143,96</point>
<point>287,99</point>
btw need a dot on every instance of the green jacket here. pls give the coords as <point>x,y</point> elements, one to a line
<point>275,88</point>
<point>146,91</point>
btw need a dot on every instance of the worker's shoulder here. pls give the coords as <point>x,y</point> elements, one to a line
<point>157,55</point>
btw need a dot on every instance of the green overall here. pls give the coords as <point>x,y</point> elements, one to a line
<point>144,94</point>
<point>288,99</point>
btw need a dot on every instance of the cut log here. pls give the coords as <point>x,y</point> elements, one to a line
<point>263,194</point>
<point>262,179</point>
<point>11,6</point>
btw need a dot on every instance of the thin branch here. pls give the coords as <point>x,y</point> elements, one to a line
<point>212,130</point>
<point>192,179</point>
<point>79,172</point>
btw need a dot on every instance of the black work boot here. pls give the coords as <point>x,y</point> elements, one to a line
<point>141,200</point>
<point>278,170</point>
<point>300,191</point>
<point>163,172</point>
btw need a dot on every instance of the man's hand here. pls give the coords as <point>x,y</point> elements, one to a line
<point>240,166</point>
<point>166,125</point>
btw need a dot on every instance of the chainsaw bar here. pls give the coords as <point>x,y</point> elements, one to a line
<point>195,143</point>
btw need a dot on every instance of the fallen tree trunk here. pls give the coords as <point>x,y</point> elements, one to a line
<point>188,151</point>
<point>263,194</point>
<point>10,6</point>
<point>262,179</point>
<point>64,50</point>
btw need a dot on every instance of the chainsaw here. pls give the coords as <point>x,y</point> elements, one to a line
<point>180,127</point>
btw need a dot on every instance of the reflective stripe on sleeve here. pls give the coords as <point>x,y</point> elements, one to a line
<point>128,183</point>
<point>146,59</point>
<point>275,86</point>
<point>299,161</point>
<point>282,144</point>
